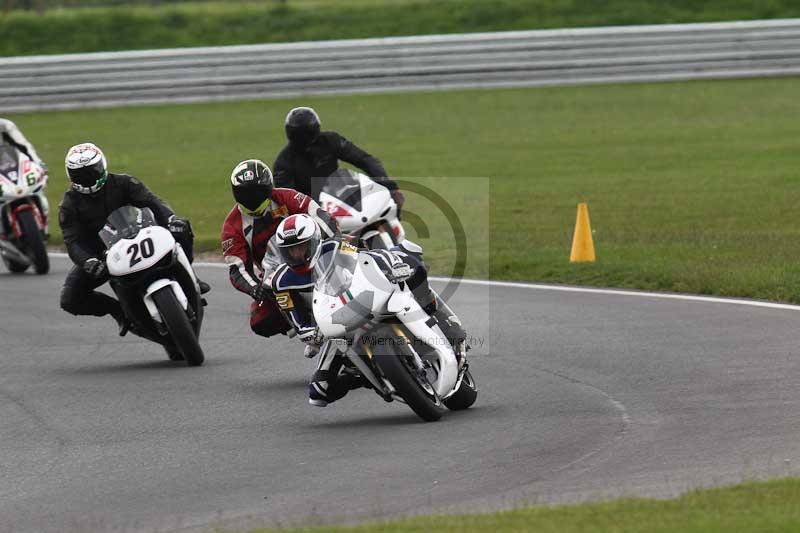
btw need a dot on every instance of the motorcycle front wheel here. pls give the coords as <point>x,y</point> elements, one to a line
<point>34,242</point>
<point>395,360</point>
<point>179,327</point>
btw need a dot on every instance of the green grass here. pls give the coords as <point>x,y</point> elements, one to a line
<point>691,186</point>
<point>237,22</point>
<point>755,507</point>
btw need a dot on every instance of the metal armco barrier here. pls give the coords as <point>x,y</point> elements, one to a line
<point>502,59</point>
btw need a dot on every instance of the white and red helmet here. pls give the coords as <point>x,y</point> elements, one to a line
<point>298,238</point>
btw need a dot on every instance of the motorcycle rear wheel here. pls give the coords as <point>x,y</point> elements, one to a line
<point>179,327</point>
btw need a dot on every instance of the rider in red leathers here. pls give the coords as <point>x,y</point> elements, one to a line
<point>246,233</point>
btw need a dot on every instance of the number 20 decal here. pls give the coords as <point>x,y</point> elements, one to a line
<point>147,248</point>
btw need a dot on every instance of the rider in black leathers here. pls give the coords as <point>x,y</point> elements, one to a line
<point>95,194</point>
<point>312,155</point>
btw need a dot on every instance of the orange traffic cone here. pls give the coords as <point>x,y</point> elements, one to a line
<point>582,243</point>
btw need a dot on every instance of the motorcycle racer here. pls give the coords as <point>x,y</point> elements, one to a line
<point>289,266</point>
<point>11,134</point>
<point>311,153</point>
<point>93,195</point>
<point>260,207</point>
<point>299,245</point>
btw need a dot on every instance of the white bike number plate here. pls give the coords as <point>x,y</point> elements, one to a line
<point>141,252</point>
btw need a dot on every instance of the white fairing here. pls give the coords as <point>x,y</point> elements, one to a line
<point>25,179</point>
<point>141,252</point>
<point>183,260</point>
<point>414,318</point>
<point>367,278</point>
<point>371,294</point>
<point>376,205</point>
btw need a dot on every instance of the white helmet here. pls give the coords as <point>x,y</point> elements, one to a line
<point>298,238</point>
<point>86,167</point>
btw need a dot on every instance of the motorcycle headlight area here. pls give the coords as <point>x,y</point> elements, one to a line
<point>156,271</point>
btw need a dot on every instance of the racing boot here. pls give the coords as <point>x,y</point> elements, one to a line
<point>122,322</point>
<point>313,339</point>
<point>325,389</point>
<point>127,326</point>
<point>328,384</point>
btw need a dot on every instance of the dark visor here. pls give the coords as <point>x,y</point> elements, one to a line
<point>299,254</point>
<point>87,176</point>
<point>251,196</point>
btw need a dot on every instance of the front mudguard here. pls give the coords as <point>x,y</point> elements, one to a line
<point>156,286</point>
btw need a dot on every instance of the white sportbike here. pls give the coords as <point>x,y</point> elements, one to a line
<point>364,209</point>
<point>155,283</point>
<point>23,215</point>
<point>381,329</point>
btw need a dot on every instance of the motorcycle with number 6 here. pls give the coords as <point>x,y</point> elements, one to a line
<point>393,343</point>
<point>22,218</point>
<point>155,283</point>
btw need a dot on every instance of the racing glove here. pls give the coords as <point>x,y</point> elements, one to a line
<point>95,267</point>
<point>260,292</point>
<point>177,225</point>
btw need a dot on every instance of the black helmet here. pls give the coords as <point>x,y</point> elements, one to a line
<point>302,126</point>
<point>251,181</point>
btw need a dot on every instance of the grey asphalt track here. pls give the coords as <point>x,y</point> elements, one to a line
<point>581,396</point>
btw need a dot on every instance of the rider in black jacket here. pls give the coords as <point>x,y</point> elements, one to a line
<point>95,193</point>
<point>312,154</point>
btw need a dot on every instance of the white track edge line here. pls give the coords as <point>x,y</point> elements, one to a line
<point>623,292</point>
<point>566,288</point>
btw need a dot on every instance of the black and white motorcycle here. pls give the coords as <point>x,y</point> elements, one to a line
<point>23,217</point>
<point>364,209</point>
<point>385,334</point>
<point>155,283</point>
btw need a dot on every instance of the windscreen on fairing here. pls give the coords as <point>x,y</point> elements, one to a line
<point>8,158</point>
<point>343,185</point>
<point>125,223</point>
<point>335,268</point>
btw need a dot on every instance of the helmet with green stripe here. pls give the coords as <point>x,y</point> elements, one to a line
<point>86,167</point>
